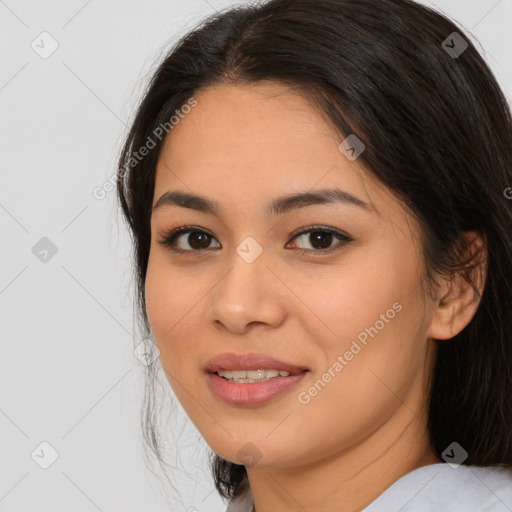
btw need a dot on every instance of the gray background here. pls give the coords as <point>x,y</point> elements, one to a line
<point>68,373</point>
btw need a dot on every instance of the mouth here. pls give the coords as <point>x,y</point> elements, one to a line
<point>251,366</point>
<point>252,376</point>
<point>252,379</point>
<point>251,392</point>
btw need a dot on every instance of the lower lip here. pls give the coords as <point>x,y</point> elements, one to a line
<point>252,393</point>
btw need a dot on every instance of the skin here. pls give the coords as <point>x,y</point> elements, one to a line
<point>244,146</point>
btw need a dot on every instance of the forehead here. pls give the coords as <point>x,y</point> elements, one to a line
<point>238,122</point>
<point>264,140</point>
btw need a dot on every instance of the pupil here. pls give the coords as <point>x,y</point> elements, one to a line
<point>201,245</point>
<point>325,239</point>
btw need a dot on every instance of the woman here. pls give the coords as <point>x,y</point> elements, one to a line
<point>317,193</point>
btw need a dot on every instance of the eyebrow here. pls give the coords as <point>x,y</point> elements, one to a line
<point>278,206</point>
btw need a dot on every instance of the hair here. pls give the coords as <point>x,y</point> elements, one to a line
<point>437,131</point>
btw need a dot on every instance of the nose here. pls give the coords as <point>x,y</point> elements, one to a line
<point>247,295</point>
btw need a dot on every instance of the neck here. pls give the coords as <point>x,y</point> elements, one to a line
<point>350,479</point>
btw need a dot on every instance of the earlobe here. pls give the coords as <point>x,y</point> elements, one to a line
<point>457,299</point>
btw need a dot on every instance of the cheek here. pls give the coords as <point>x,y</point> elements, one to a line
<point>373,316</point>
<point>348,299</point>
<point>366,374</point>
<point>169,305</point>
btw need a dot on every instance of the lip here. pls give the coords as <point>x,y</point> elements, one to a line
<point>250,361</point>
<point>253,393</point>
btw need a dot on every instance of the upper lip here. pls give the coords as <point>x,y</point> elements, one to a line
<point>233,361</point>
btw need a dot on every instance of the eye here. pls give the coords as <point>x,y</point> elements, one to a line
<point>320,238</point>
<point>197,238</point>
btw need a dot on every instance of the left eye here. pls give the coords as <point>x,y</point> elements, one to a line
<point>320,238</point>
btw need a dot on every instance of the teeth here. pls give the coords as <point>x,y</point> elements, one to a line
<point>251,375</point>
<point>261,374</point>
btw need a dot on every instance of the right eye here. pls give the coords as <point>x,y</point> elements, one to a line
<point>197,239</point>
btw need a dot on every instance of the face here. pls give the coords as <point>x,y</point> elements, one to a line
<point>342,299</point>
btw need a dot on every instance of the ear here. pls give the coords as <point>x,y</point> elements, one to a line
<point>457,301</point>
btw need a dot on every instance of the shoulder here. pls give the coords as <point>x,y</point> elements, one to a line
<point>433,488</point>
<point>447,487</point>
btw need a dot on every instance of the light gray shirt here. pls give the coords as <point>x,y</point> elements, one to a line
<point>436,488</point>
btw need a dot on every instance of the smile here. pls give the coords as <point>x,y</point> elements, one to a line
<point>247,392</point>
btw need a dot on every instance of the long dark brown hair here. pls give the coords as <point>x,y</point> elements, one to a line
<point>438,133</point>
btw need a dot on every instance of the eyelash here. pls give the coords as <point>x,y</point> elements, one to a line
<point>169,238</point>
